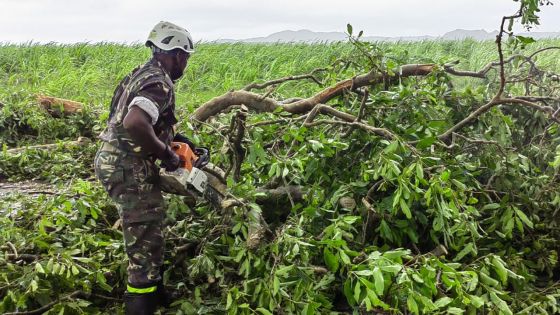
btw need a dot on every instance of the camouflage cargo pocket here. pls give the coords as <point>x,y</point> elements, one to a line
<point>142,200</point>
<point>108,170</point>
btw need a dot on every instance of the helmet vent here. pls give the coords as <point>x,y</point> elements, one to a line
<point>167,39</point>
<point>190,43</point>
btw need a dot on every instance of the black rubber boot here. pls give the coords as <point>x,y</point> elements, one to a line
<point>163,297</point>
<point>140,304</point>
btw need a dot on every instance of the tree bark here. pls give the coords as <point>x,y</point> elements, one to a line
<point>58,107</point>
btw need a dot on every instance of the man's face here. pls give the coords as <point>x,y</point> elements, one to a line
<point>180,63</point>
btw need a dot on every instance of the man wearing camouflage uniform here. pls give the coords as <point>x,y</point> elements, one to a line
<point>138,133</point>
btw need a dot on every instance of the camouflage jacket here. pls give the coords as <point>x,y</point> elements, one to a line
<point>152,82</point>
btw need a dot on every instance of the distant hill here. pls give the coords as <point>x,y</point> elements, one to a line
<point>307,36</point>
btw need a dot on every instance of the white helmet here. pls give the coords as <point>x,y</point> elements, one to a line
<point>168,36</point>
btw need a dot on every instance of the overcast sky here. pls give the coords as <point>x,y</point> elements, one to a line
<point>129,21</point>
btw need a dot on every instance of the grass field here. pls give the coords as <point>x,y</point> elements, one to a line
<point>89,72</point>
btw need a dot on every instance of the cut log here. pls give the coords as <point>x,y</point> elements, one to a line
<point>58,107</point>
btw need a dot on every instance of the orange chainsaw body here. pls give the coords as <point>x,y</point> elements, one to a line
<point>185,153</point>
<point>189,179</point>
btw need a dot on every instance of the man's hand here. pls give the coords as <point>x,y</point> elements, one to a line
<point>171,161</point>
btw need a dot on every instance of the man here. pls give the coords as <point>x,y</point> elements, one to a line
<point>138,133</point>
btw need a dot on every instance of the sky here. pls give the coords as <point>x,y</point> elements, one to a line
<point>130,21</point>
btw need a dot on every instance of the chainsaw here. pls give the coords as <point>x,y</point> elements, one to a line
<point>189,179</point>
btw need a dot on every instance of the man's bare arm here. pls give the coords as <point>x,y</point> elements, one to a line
<point>138,124</point>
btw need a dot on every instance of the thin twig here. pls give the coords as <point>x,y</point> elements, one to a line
<point>310,76</point>
<point>48,306</point>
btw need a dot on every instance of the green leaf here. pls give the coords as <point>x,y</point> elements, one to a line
<point>331,260</point>
<point>347,289</point>
<point>284,270</point>
<point>93,213</point>
<point>344,257</point>
<point>459,184</point>
<point>391,147</point>
<point>426,142</point>
<point>285,172</point>
<point>491,206</point>
<point>39,268</point>
<point>315,145</point>
<point>33,286</point>
<point>412,305</point>
<point>264,311</point>
<point>275,285</point>
<point>419,171</point>
<point>443,302</point>
<point>357,291</point>
<point>272,170</point>
<point>378,280</point>
<point>349,28</point>
<point>487,280</point>
<point>405,209</point>
<point>455,311</point>
<point>476,301</point>
<point>525,40</point>
<point>103,282</point>
<point>523,217</point>
<point>502,305</point>
<point>473,283</point>
<point>439,125</point>
<point>394,269</point>
<point>365,273</point>
<point>229,301</point>
<point>417,278</point>
<point>350,219</point>
<point>367,283</point>
<point>500,269</point>
<point>466,250</point>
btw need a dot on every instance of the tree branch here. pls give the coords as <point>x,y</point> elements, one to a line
<point>265,104</point>
<point>263,85</point>
<point>48,306</point>
<point>495,101</point>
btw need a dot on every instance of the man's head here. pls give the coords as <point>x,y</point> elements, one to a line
<point>172,46</point>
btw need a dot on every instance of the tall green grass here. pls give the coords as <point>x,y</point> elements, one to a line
<point>89,73</point>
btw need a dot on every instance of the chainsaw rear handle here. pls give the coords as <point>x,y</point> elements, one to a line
<point>203,157</point>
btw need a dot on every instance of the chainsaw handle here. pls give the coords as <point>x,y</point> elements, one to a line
<point>203,157</point>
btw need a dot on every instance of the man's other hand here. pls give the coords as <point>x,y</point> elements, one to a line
<point>171,160</point>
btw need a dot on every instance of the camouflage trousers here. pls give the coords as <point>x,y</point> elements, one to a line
<point>132,183</point>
